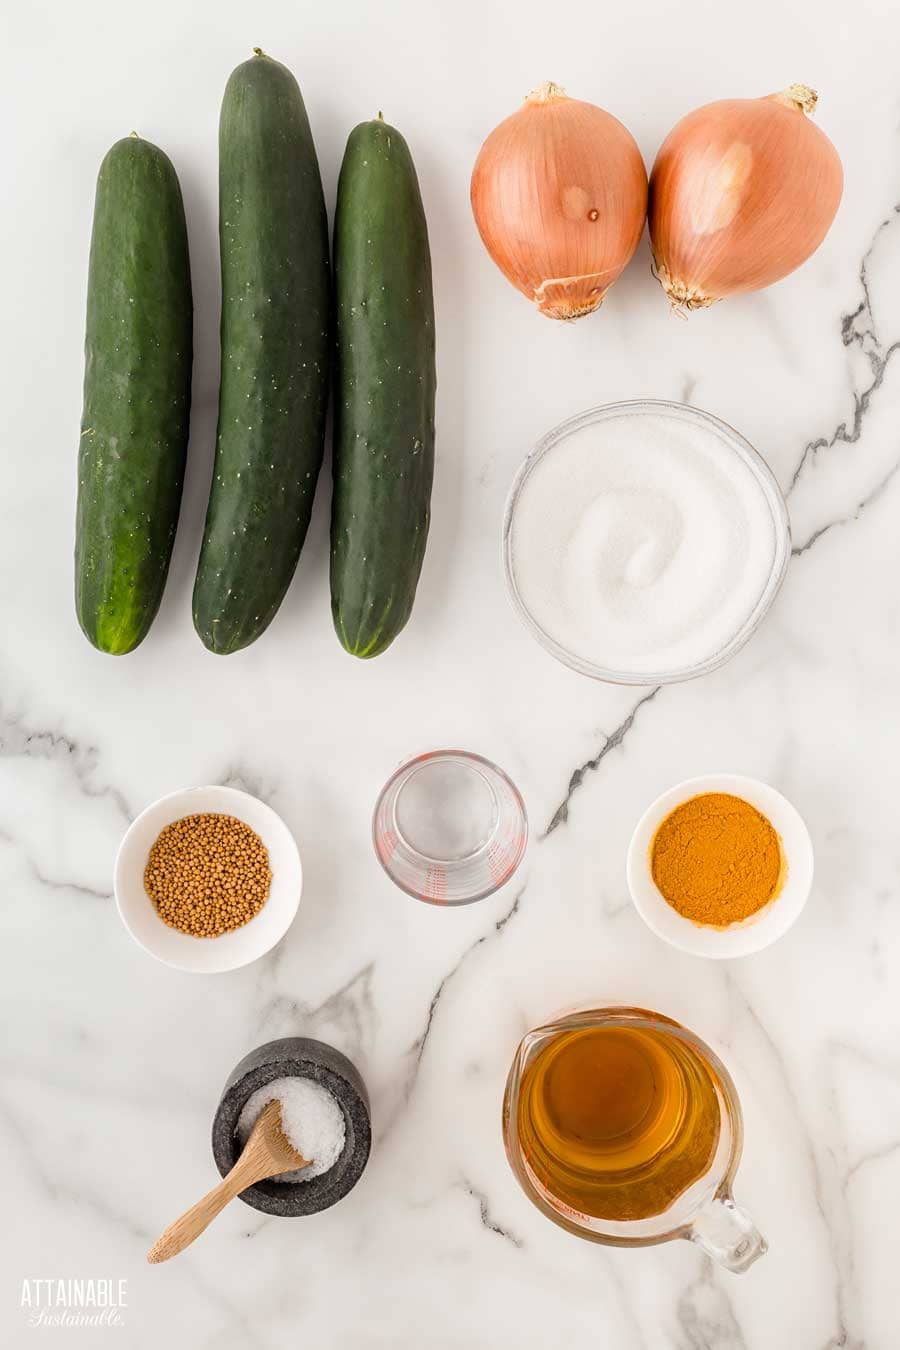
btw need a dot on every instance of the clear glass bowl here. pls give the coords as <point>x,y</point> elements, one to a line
<point>449,827</point>
<point>760,470</point>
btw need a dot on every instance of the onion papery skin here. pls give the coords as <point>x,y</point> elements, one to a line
<point>742,192</point>
<point>559,195</point>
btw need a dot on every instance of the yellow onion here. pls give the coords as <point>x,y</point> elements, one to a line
<point>559,193</point>
<point>741,193</point>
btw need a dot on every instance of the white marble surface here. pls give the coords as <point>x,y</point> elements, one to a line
<point>112,1064</point>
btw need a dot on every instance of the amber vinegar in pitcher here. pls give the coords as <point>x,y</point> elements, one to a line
<point>624,1127</point>
<point>618,1121</point>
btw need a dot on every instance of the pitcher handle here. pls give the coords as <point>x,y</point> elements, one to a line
<point>727,1233</point>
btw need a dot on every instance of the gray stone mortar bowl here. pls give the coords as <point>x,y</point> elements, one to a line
<point>295,1055</point>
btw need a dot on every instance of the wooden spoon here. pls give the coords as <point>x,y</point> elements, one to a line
<point>266,1153</point>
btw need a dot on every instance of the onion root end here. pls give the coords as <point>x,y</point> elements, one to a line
<point>682,297</point>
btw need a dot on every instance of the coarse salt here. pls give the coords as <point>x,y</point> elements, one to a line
<point>311,1119</point>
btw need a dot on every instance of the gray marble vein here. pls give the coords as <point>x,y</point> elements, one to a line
<point>417,1050</point>
<point>64,885</point>
<point>23,1144</point>
<point>414,1053</point>
<point>799,549</point>
<point>484,1212</point>
<point>859,332</point>
<point>689,384</point>
<point>347,1014</point>
<point>874,1155</point>
<point>20,741</point>
<point>612,742</point>
<point>240,776</point>
<point>706,1316</point>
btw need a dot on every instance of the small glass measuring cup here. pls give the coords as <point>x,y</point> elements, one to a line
<point>705,1212</point>
<point>449,827</point>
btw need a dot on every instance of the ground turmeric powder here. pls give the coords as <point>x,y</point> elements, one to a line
<point>716,859</point>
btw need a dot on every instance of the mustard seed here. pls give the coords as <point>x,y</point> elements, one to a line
<point>208,874</point>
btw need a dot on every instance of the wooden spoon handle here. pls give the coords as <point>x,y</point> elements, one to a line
<point>182,1232</point>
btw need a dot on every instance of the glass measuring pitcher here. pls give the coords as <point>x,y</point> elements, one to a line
<point>623,1127</point>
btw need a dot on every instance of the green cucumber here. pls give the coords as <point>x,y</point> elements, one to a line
<point>137,396</point>
<point>275,342</point>
<point>384,390</point>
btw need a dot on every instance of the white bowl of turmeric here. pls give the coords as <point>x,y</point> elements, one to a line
<point>208,879</point>
<point>720,865</point>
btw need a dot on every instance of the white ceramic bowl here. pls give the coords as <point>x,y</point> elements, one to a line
<point>761,928</point>
<point>240,946</point>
